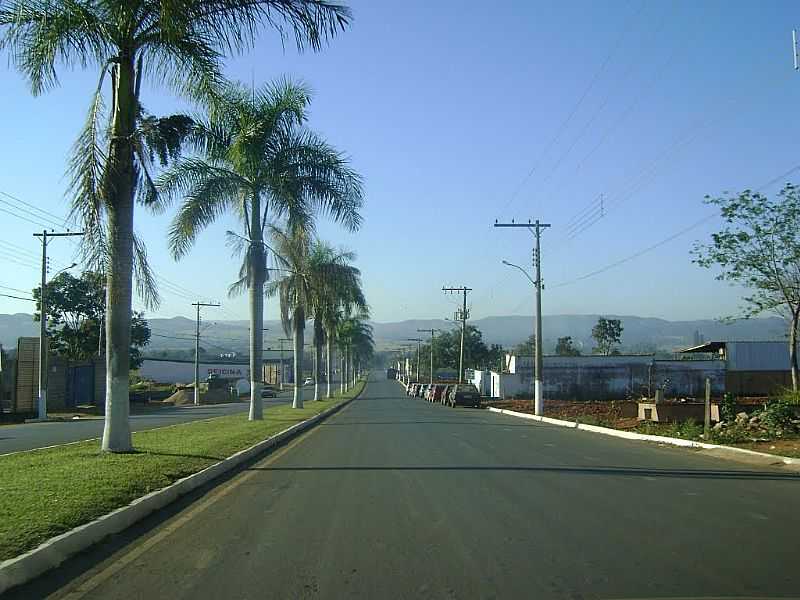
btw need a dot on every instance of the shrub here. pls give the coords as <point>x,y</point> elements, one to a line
<point>777,415</point>
<point>727,408</point>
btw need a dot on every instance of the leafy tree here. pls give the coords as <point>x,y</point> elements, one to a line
<point>258,162</point>
<point>447,347</point>
<point>564,347</point>
<point>607,333</point>
<point>75,314</point>
<point>179,43</point>
<point>526,348</point>
<point>759,248</point>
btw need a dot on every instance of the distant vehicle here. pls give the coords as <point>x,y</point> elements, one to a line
<point>411,390</point>
<point>268,392</point>
<point>464,394</point>
<point>445,393</point>
<point>435,393</point>
<point>391,373</point>
<point>309,381</point>
<point>423,390</point>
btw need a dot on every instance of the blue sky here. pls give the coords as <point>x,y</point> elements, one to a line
<point>459,113</point>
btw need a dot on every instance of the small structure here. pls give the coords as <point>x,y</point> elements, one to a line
<point>751,368</point>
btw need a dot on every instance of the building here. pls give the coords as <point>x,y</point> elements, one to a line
<point>597,377</point>
<point>163,370</point>
<point>751,368</point>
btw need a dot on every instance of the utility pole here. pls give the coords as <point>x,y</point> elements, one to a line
<point>45,239</point>
<point>535,228</point>
<point>431,331</point>
<point>419,349</point>
<point>281,340</point>
<point>197,350</point>
<point>795,56</point>
<point>462,316</point>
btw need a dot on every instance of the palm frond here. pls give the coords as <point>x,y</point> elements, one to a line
<point>145,279</point>
<point>42,33</point>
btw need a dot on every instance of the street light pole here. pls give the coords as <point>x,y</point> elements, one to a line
<point>419,349</point>
<point>463,318</point>
<point>197,350</point>
<point>42,400</point>
<point>431,331</point>
<point>536,229</point>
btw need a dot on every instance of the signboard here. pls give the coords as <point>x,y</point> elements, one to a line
<point>177,371</point>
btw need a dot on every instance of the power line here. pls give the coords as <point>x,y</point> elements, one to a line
<point>17,297</point>
<point>668,239</point>
<point>562,127</point>
<point>46,213</point>
<point>13,289</point>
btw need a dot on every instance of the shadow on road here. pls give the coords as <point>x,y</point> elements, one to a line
<point>343,423</point>
<point>603,471</point>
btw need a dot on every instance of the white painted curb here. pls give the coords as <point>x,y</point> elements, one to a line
<point>51,553</point>
<point>629,435</point>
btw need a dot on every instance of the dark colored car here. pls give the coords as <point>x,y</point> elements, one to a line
<point>268,392</point>
<point>464,394</point>
<point>435,393</point>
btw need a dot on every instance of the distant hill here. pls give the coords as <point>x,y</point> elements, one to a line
<point>641,334</point>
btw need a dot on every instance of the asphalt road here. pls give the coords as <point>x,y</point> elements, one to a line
<point>397,498</point>
<point>27,436</point>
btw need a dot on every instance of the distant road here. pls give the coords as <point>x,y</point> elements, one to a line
<point>396,498</point>
<point>27,436</point>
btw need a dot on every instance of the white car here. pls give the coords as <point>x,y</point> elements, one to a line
<point>308,381</point>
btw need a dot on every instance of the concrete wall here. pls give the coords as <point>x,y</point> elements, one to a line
<point>616,377</point>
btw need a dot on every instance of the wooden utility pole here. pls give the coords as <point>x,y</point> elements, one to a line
<point>419,349</point>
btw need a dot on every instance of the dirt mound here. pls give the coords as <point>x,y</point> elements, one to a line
<point>186,396</point>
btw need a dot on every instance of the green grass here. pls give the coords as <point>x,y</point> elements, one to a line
<point>46,492</point>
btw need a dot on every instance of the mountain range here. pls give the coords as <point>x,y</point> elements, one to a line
<point>640,334</point>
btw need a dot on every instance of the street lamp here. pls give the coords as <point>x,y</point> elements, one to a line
<point>42,403</point>
<point>538,403</point>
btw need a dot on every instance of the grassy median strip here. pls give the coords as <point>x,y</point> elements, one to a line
<point>46,492</point>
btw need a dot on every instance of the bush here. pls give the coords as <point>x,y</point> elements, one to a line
<point>727,408</point>
<point>734,433</point>
<point>777,415</point>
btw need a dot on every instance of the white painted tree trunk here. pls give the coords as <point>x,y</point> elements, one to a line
<point>299,326</point>
<point>329,366</point>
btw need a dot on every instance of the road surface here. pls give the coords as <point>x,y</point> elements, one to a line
<point>397,498</point>
<point>27,436</point>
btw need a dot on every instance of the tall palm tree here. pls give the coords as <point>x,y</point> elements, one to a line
<point>175,42</point>
<point>257,160</point>
<point>293,249</point>
<point>355,341</point>
<point>336,287</point>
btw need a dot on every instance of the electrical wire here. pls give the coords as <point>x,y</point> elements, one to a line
<point>565,123</point>
<point>668,239</point>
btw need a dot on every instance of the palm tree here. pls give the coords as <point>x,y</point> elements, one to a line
<point>355,342</point>
<point>177,42</point>
<point>294,250</point>
<point>259,162</point>
<point>336,287</point>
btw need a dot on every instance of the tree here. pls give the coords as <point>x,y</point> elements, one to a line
<point>260,163</point>
<point>527,347</point>
<point>759,248</point>
<point>564,347</point>
<point>178,43</point>
<point>607,334</point>
<point>335,290</point>
<point>354,336</point>
<point>75,315</point>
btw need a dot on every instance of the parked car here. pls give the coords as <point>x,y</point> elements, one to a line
<point>423,390</point>
<point>268,392</point>
<point>309,381</point>
<point>445,392</point>
<point>435,393</point>
<point>411,389</point>
<point>464,394</point>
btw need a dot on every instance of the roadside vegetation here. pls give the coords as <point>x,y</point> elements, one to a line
<point>48,492</point>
